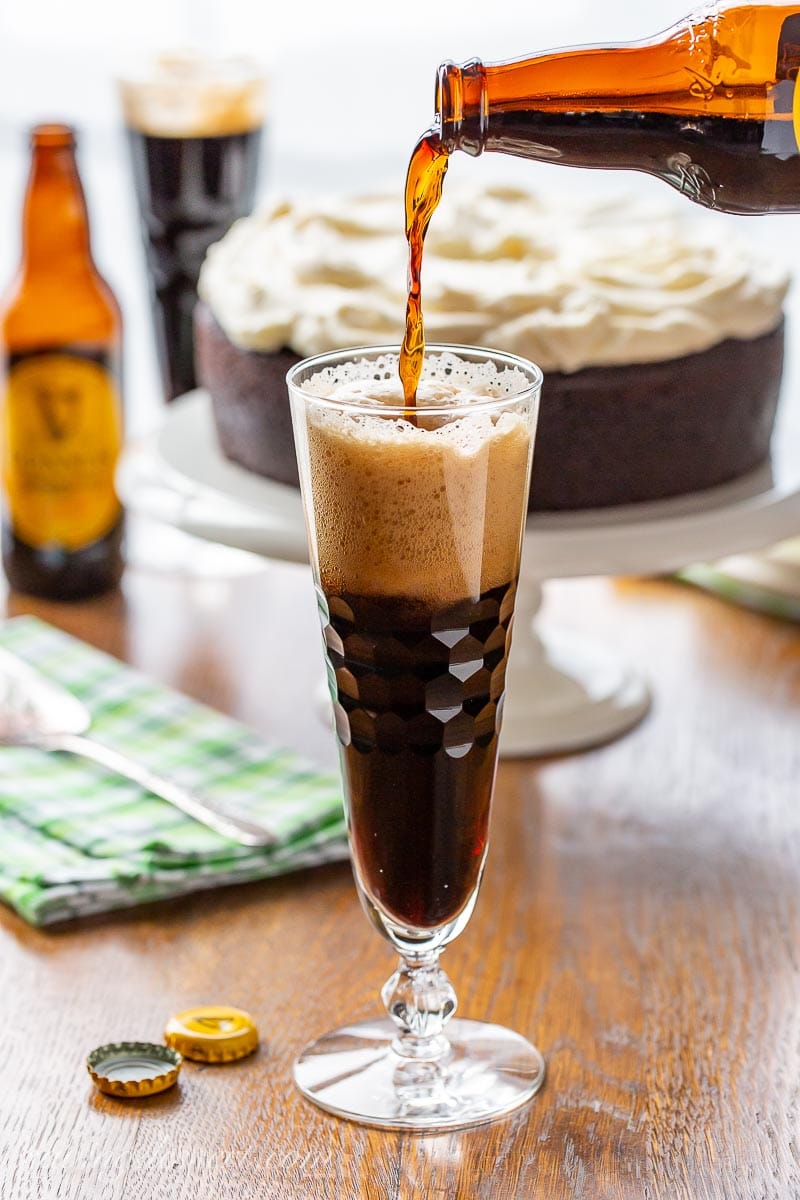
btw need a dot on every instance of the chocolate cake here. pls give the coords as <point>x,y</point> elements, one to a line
<point>611,431</point>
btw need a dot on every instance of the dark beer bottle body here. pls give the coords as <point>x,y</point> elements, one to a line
<point>60,343</point>
<point>711,106</point>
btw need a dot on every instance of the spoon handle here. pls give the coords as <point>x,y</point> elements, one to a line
<point>247,833</point>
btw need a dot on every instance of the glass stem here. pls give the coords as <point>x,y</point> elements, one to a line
<point>420,1000</point>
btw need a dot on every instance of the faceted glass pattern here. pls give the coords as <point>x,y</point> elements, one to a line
<point>429,686</point>
<point>418,694</point>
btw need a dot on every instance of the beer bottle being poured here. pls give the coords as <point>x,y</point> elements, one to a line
<point>711,106</point>
<point>60,332</point>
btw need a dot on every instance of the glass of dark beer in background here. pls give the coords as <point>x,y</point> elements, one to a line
<point>415,519</point>
<point>194,130</point>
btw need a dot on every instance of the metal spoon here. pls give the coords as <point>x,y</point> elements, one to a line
<point>36,712</point>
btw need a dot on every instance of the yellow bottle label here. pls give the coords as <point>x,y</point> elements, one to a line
<point>62,436</point>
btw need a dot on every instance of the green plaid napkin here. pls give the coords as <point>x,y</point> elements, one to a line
<point>75,839</point>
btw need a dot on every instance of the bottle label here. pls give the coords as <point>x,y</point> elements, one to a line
<point>62,436</point>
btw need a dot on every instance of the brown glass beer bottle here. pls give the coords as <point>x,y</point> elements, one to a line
<point>711,106</point>
<point>60,337</point>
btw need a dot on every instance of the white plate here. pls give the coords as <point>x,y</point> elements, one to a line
<point>180,476</point>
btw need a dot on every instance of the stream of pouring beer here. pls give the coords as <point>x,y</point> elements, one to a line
<point>426,172</point>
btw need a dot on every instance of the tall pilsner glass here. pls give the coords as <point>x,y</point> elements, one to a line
<point>415,521</point>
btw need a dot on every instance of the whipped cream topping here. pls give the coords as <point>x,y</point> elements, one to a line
<point>566,281</point>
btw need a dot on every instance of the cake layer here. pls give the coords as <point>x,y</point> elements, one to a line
<point>607,435</point>
<point>624,435</point>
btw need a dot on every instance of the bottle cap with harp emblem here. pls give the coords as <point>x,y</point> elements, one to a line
<point>212,1033</point>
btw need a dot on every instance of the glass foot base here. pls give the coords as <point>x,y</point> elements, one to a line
<point>355,1073</point>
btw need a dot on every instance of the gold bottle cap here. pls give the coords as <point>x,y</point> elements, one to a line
<point>133,1068</point>
<point>212,1033</point>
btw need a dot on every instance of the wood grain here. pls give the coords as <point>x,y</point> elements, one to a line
<point>639,920</point>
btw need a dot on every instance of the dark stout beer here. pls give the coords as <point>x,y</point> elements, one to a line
<point>419,689</point>
<point>194,136</point>
<point>190,191</point>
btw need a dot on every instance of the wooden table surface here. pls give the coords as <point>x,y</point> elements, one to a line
<point>638,920</point>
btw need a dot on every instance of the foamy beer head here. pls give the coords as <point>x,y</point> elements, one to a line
<point>434,510</point>
<point>188,95</point>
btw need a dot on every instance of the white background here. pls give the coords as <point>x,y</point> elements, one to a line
<point>352,87</point>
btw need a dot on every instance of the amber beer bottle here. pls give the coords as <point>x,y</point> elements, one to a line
<point>711,106</point>
<point>60,332</point>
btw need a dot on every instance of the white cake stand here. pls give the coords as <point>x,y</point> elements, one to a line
<point>564,693</point>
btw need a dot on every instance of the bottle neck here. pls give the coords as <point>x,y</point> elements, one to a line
<point>490,106</point>
<point>462,106</point>
<point>55,223</point>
